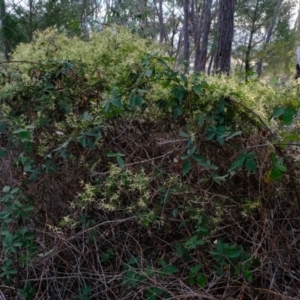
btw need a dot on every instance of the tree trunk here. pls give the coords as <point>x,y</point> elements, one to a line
<point>186,42</point>
<point>162,32</point>
<point>4,42</point>
<point>197,31</point>
<point>248,52</point>
<point>205,35</point>
<point>225,36</point>
<point>269,34</point>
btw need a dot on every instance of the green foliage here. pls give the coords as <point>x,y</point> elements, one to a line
<point>195,276</point>
<point>144,143</point>
<point>28,292</point>
<point>233,257</point>
<point>246,159</point>
<point>284,114</point>
<point>17,244</point>
<point>278,169</point>
<point>84,293</point>
<point>112,54</point>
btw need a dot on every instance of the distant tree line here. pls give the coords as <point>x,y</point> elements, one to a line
<point>249,36</point>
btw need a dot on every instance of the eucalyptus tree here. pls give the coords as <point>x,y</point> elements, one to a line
<point>269,32</point>
<point>225,36</point>
<point>256,24</point>
<point>201,51</point>
<point>186,38</point>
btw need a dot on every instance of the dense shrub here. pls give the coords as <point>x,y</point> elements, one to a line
<point>124,177</point>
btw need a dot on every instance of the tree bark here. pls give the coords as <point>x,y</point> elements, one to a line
<point>197,31</point>
<point>4,42</point>
<point>225,36</point>
<point>269,34</point>
<point>205,36</point>
<point>186,42</point>
<point>162,32</point>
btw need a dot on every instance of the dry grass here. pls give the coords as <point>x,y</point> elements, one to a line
<point>263,217</point>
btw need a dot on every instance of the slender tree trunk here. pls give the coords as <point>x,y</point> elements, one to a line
<point>269,34</point>
<point>186,42</point>
<point>198,27</point>
<point>31,29</point>
<point>4,42</point>
<point>248,52</point>
<point>205,36</point>
<point>162,32</point>
<point>225,36</point>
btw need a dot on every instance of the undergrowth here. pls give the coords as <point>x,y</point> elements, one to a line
<point>124,178</point>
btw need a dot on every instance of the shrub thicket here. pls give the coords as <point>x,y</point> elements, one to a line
<point>123,177</point>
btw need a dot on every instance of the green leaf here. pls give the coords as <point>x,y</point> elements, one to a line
<point>188,143</point>
<point>111,154</point>
<point>191,150</point>
<point>156,290</point>
<point>106,106</point>
<point>204,180</point>
<point>275,174</point>
<point>197,89</point>
<point>148,73</point>
<point>186,167</point>
<point>273,81</point>
<point>136,100</point>
<point>233,253</point>
<point>133,260</point>
<point>184,134</point>
<point>278,111</point>
<point>196,269</point>
<point>175,213</point>
<point>211,132</point>
<point>23,134</point>
<point>17,244</point>
<point>82,140</point>
<point>171,269</point>
<point>27,168</point>
<point>288,116</point>
<point>139,101</point>
<point>287,119</point>
<point>120,162</point>
<point>194,242</point>
<point>86,116</point>
<point>183,78</point>
<point>198,157</point>
<point>251,165</point>
<point>201,281</point>
<point>281,168</point>
<point>120,154</point>
<point>116,102</point>
<point>177,111</point>
<point>185,156</point>
<point>178,92</point>
<point>291,137</point>
<point>142,91</point>
<point>237,163</point>
<point>248,275</point>
<point>15,190</point>
<point>233,135</point>
<point>2,126</point>
<point>219,179</point>
<point>161,262</point>
<point>6,189</point>
<point>3,152</point>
